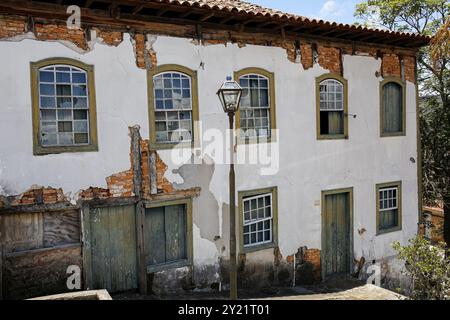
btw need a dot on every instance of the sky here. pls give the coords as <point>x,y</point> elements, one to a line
<point>331,10</point>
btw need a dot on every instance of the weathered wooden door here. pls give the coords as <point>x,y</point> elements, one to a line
<point>113,255</point>
<point>336,232</point>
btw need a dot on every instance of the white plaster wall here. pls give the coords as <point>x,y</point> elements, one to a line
<point>307,166</point>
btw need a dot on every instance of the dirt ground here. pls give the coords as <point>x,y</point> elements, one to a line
<point>339,288</point>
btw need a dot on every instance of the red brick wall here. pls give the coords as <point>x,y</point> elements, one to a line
<point>306,55</point>
<point>32,196</point>
<point>330,59</point>
<point>11,26</point>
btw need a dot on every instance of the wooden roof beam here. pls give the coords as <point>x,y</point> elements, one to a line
<point>207,17</point>
<point>137,9</point>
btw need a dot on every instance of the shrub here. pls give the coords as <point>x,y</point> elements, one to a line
<point>429,268</point>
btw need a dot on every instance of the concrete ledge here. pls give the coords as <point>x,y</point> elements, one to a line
<point>79,295</point>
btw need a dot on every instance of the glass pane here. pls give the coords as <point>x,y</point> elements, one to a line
<point>47,89</point>
<point>48,127</point>
<point>48,102</point>
<point>80,114</point>
<point>78,77</point>
<point>45,76</point>
<point>79,90</point>
<point>64,114</point>
<point>63,90</point>
<point>65,126</point>
<point>48,114</point>
<point>65,138</point>
<point>64,102</point>
<point>62,77</point>
<point>81,138</point>
<point>80,126</point>
<point>48,139</point>
<point>80,102</point>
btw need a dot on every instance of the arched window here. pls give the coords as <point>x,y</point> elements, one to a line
<point>332,105</point>
<point>173,106</point>
<point>64,106</point>
<point>392,108</point>
<point>257,109</point>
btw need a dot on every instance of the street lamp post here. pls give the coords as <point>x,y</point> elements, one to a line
<point>230,96</point>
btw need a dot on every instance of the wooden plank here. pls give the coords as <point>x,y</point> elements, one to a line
<point>155,242</point>
<point>22,231</point>
<point>86,242</point>
<point>328,235</point>
<point>141,231</point>
<point>61,228</point>
<point>152,172</point>
<point>172,228</point>
<point>38,208</point>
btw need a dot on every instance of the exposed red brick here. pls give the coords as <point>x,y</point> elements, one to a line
<point>409,63</point>
<point>390,65</point>
<point>55,32</point>
<point>306,55</point>
<point>121,184</point>
<point>111,38</point>
<point>94,193</point>
<point>330,59</point>
<point>140,50</point>
<point>35,195</point>
<point>11,26</point>
<point>313,256</point>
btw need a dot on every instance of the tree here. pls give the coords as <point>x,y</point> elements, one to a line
<point>430,18</point>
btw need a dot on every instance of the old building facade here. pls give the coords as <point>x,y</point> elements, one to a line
<point>89,175</point>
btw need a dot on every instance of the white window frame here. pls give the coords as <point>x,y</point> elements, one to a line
<point>250,222</point>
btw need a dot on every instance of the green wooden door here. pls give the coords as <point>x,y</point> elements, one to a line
<point>113,248</point>
<point>336,237</point>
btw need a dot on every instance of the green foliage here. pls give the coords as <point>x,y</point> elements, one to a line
<point>428,267</point>
<point>435,136</point>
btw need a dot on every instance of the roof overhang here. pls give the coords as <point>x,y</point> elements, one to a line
<point>137,13</point>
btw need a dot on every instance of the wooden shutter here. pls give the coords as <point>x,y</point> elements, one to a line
<point>166,234</point>
<point>392,108</point>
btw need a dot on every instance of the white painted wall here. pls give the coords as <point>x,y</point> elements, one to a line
<point>307,166</point>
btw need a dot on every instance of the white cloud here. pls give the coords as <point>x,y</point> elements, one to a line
<point>334,10</point>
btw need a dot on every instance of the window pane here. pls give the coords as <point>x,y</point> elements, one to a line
<point>257,217</point>
<point>81,138</point>
<point>80,102</point>
<point>48,102</point>
<point>45,76</point>
<point>80,126</point>
<point>63,90</point>
<point>65,102</point>
<point>47,89</point>
<point>48,114</point>
<point>64,114</point>
<point>78,77</point>
<point>79,90</point>
<point>62,77</point>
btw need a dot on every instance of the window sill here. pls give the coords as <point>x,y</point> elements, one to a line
<point>170,146</point>
<point>167,266</point>
<point>41,151</point>
<point>243,141</point>
<point>333,137</point>
<point>385,231</point>
<point>259,247</point>
<point>393,134</point>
